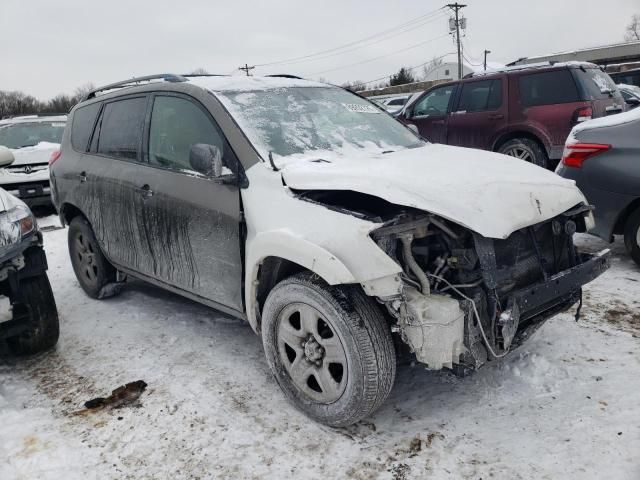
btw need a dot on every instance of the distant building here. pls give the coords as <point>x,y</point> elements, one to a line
<point>605,55</point>
<point>446,71</point>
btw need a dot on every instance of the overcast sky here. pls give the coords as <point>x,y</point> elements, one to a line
<point>49,47</point>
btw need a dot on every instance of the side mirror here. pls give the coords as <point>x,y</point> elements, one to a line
<point>207,159</point>
<point>6,156</point>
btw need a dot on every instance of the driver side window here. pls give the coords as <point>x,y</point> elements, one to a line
<point>435,103</point>
<point>176,125</point>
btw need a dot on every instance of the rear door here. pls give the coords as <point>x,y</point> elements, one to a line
<point>190,223</point>
<point>481,111</point>
<point>429,113</point>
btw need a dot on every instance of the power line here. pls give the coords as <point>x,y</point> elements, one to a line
<point>350,44</point>
<point>409,68</point>
<point>381,56</point>
<point>456,7</point>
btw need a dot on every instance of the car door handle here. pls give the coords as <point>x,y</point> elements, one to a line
<point>496,116</point>
<point>145,191</point>
<point>82,176</point>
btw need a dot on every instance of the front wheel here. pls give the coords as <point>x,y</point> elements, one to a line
<point>632,236</point>
<point>525,149</point>
<point>329,348</point>
<point>36,306</point>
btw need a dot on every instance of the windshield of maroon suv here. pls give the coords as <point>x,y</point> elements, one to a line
<point>296,120</point>
<point>21,135</point>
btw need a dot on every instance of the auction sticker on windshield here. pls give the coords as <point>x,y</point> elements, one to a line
<point>355,107</point>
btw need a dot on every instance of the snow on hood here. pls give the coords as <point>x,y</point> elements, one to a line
<point>609,121</point>
<point>39,153</point>
<point>492,194</point>
<point>8,201</point>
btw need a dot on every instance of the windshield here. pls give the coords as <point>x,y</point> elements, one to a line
<point>295,120</point>
<point>20,135</point>
<point>596,83</point>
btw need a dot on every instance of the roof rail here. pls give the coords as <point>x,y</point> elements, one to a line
<point>529,66</point>
<point>285,75</point>
<point>167,77</point>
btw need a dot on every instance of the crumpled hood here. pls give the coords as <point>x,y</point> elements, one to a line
<point>39,153</point>
<point>8,201</point>
<point>492,194</point>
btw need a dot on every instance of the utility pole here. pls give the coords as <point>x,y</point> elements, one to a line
<point>486,52</point>
<point>246,69</point>
<point>456,7</point>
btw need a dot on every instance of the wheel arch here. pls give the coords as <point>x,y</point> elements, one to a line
<point>621,221</point>
<point>68,212</point>
<point>277,255</point>
<point>511,135</point>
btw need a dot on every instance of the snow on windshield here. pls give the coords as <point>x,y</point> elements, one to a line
<point>299,120</point>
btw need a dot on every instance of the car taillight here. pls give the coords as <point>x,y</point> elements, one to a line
<point>576,153</point>
<point>582,114</point>
<point>54,156</point>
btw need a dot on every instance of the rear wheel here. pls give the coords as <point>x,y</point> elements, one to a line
<point>330,349</point>
<point>632,236</point>
<point>92,269</point>
<point>37,308</point>
<point>525,149</point>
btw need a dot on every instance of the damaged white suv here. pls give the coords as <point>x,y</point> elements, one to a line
<point>325,223</point>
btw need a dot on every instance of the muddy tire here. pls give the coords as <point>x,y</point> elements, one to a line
<point>632,236</point>
<point>329,348</point>
<point>93,271</point>
<point>37,307</point>
<point>527,150</point>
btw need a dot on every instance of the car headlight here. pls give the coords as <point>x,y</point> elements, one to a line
<point>15,224</point>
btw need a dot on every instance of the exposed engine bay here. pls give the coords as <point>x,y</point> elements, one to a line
<point>469,299</point>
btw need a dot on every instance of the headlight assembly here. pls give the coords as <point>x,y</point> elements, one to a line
<point>15,224</point>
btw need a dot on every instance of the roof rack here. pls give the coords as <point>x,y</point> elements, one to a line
<point>167,77</point>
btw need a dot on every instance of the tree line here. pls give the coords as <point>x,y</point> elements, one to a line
<point>14,103</point>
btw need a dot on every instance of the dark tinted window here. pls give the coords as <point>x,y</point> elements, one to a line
<point>595,83</point>
<point>121,128</point>
<point>84,119</point>
<point>481,96</point>
<point>629,78</point>
<point>176,125</point>
<point>547,88</point>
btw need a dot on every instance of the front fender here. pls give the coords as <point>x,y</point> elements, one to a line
<point>286,245</point>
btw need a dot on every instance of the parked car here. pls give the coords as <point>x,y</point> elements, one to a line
<point>29,323</point>
<point>603,157</point>
<point>395,104</point>
<point>630,77</point>
<point>526,112</point>
<point>32,139</point>
<point>325,223</point>
<point>631,95</point>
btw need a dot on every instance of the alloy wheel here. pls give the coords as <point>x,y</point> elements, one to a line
<point>312,353</point>
<point>87,257</point>
<point>521,153</point>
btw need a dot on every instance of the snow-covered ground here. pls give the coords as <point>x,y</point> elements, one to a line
<point>564,406</point>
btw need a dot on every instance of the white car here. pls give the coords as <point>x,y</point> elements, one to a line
<point>32,139</point>
<point>395,104</point>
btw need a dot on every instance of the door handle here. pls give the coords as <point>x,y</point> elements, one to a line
<point>496,116</point>
<point>82,176</point>
<point>145,191</point>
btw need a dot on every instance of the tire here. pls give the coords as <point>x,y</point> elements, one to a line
<point>525,149</point>
<point>340,322</point>
<point>92,269</point>
<point>632,236</point>
<point>37,307</point>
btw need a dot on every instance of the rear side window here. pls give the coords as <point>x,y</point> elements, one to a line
<point>84,119</point>
<point>548,88</point>
<point>595,83</point>
<point>481,96</point>
<point>121,128</point>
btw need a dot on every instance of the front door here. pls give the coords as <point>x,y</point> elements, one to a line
<point>479,115</point>
<point>191,222</point>
<point>429,113</point>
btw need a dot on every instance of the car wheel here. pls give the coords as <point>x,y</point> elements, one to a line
<point>329,348</point>
<point>632,236</point>
<point>525,149</point>
<point>92,269</point>
<point>37,307</point>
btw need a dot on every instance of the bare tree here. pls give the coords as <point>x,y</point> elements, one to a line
<point>199,71</point>
<point>356,86</point>
<point>633,29</point>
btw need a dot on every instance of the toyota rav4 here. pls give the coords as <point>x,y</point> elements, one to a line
<point>329,226</point>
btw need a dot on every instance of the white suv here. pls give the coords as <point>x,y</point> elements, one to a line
<point>33,139</point>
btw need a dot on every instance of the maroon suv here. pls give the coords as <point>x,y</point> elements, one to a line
<point>526,112</point>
